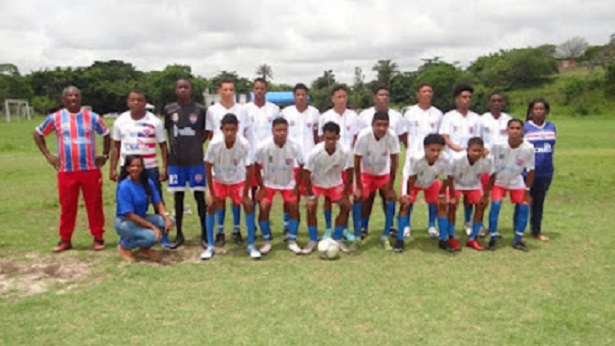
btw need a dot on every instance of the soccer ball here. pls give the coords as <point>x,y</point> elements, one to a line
<point>328,248</point>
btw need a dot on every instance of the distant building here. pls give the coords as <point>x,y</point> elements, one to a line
<point>566,64</point>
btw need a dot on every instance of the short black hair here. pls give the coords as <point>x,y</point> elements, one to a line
<point>476,141</point>
<point>301,86</point>
<point>331,127</point>
<point>339,87</point>
<point>433,138</point>
<point>184,80</point>
<point>260,80</point>
<point>380,87</point>
<point>224,81</point>
<point>422,85</point>
<point>461,87</point>
<point>495,92</point>
<point>229,119</point>
<point>380,116</point>
<point>515,120</point>
<point>535,101</point>
<point>279,121</point>
<point>138,92</point>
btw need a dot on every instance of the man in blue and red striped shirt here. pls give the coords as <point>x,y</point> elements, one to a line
<point>77,164</point>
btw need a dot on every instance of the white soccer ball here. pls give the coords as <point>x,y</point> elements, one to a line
<point>328,249</point>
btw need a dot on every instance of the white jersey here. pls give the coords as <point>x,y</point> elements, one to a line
<point>425,173</point>
<point>277,163</point>
<point>348,122</point>
<point>509,164</point>
<point>494,130</point>
<point>420,123</point>
<point>261,119</point>
<point>467,176</point>
<point>460,129</point>
<point>215,114</point>
<point>396,122</point>
<point>139,137</point>
<point>326,170</point>
<point>229,164</point>
<point>301,126</point>
<point>376,154</point>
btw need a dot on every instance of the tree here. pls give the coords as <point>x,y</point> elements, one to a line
<point>573,48</point>
<point>360,96</point>
<point>320,91</point>
<point>401,92</point>
<point>442,76</point>
<point>264,71</point>
<point>12,84</point>
<point>242,85</point>
<point>160,85</point>
<point>385,70</point>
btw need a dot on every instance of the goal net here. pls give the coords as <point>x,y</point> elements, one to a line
<point>16,109</point>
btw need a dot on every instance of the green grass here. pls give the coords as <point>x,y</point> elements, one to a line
<point>560,293</point>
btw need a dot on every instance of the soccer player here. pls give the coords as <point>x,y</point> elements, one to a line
<point>184,121</point>
<point>510,159</point>
<point>541,134</point>
<point>323,177</point>
<point>77,164</point>
<point>276,158</point>
<point>422,173</point>
<point>464,178</point>
<point>228,168</point>
<point>421,120</point>
<point>348,121</point>
<point>375,161</point>
<point>215,113</point>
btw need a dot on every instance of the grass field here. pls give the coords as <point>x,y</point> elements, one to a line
<point>560,293</point>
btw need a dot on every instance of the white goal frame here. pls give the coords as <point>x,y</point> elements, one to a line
<point>21,104</point>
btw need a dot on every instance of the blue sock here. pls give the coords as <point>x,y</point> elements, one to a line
<point>338,232</point>
<point>313,231</point>
<point>236,217</point>
<point>250,226</point>
<point>365,222</point>
<point>254,208</point>
<point>293,228</point>
<point>265,227</point>
<point>522,215</point>
<point>388,221</point>
<point>209,227</point>
<point>467,211</point>
<point>286,219</point>
<point>515,217</point>
<point>356,219</point>
<point>443,227</point>
<point>451,229</point>
<point>433,213</point>
<point>221,215</point>
<point>409,216</point>
<point>494,214</point>
<point>328,218</point>
<point>402,222</point>
<point>475,229</point>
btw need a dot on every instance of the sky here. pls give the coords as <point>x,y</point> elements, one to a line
<point>298,39</point>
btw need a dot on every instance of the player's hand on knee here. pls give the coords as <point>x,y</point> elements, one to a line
<point>358,195</point>
<point>260,194</point>
<point>247,204</point>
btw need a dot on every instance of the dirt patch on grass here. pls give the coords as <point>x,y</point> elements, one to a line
<point>40,275</point>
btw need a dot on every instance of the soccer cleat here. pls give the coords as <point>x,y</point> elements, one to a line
<point>179,241</point>
<point>467,227</point>
<point>520,245</point>
<point>126,254</point>
<point>265,248</point>
<point>63,246</point>
<point>254,254</point>
<point>285,234</point>
<point>433,232</point>
<point>444,245</point>
<point>98,245</point>
<point>151,255</point>
<point>220,240</point>
<point>541,237</point>
<point>237,238</point>
<point>454,244</point>
<point>327,234</point>
<point>292,246</point>
<point>207,254</point>
<point>364,233</point>
<point>493,244</point>
<point>399,246</point>
<point>348,236</point>
<point>309,248</point>
<point>482,232</point>
<point>474,244</point>
<point>393,232</point>
<point>385,243</point>
<point>164,242</point>
<point>407,232</point>
<point>343,247</point>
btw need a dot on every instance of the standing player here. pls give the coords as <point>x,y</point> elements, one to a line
<point>77,164</point>
<point>323,177</point>
<point>421,120</point>
<point>184,121</point>
<point>276,158</point>
<point>510,159</point>
<point>465,178</point>
<point>375,161</point>
<point>215,113</point>
<point>348,121</point>
<point>422,173</point>
<point>228,167</point>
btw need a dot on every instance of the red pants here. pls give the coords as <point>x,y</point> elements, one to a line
<point>69,184</point>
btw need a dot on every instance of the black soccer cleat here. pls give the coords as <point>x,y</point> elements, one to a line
<point>520,245</point>
<point>179,241</point>
<point>364,233</point>
<point>237,238</point>
<point>444,245</point>
<point>493,244</point>
<point>399,246</point>
<point>220,240</point>
<point>285,234</point>
<point>393,232</point>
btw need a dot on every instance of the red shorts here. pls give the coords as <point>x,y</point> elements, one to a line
<point>287,195</point>
<point>234,192</point>
<point>302,189</point>
<point>371,183</point>
<point>430,193</point>
<point>516,196</point>
<point>484,179</point>
<point>334,193</point>
<point>472,196</point>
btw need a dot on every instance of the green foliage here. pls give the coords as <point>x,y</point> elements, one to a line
<point>320,90</point>
<point>610,80</point>
<point>385,71</point>
<point>443,77</point>
<point>44,104</point>
<point>160,85</point>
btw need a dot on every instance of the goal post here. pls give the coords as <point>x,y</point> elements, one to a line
<point>16,108</point>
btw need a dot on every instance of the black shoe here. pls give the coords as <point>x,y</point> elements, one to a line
<point>285,234</point>
<point>179,241</point>
<point>520,245</point>
<point>444,245</point>
<point>393,232</point>
<point>364,233</point>
<point>399,246</point>
<point>493,244</point>
<point>237,238</point>
<point>220,240</point>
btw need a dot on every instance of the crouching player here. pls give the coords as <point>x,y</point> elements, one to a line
<point>228,168</point>
<point>464,178</point>
<point>510,159</point>
<point>275,159</point>
<point>323,177</point>
<point>422,173</point>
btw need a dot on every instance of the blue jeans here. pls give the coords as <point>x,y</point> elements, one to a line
<point>539,193</point>
<point>135,236</point>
